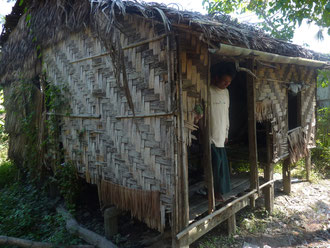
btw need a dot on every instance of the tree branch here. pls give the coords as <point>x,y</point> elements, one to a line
<point>5,240</point>
<point>90,237</point>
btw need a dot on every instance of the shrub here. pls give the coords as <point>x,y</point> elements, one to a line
<point>26,212</point>
<point>68,182</point>
<point>321,154</point>
<point>8,173</point>
<point>321,160</point>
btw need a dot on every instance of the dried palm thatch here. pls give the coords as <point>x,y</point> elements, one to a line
<point>264,110</point>
<point>25,105</point>
<point>48,21</point>
<point>297,144</point>
<point>144,205</point>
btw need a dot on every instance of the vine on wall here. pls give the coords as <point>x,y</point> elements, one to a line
<point>35,110</point>
<point>23,103</point>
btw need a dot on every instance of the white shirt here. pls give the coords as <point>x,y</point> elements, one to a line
<point>219,121</point>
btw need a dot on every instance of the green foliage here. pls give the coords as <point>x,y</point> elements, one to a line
<point>323,78</point>
<point>216,241</point>
<point>68,182</point>
<point>321,160</point>
<point>323,127</point>
<point>66,177</point>
<point>8,174</point>
<point>26,212</point>
<point>57,103</point>
<point>3,134</point>
<point>2,19</point>
<point>280,18</point>
<point>21,108</point>
<point>321,154</point>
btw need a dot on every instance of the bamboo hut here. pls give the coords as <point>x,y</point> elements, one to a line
<point>133,74</point>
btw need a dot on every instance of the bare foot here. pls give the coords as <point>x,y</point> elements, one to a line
<point>218,197</point>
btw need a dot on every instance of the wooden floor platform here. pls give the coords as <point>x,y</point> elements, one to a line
<point>198,204</point>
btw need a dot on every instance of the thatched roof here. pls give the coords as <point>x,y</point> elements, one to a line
<point>51,20</point>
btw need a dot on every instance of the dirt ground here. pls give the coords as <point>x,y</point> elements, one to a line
<point>299,220</point>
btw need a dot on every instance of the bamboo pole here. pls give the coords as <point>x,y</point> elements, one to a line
<point>146,41</point>
<point>175,203</point>
<point>253,154</point>
<point>184,165</point>
<point>234,51</point>
<point>82,116</point>
<point>183,196</point>
<point>207,218</point>
<point>146,116</point>
<point>124,48</point>
<point>207,144</point>
<point>269,172</point>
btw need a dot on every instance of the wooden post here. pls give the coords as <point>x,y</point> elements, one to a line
<point>207,146</point>
<point>269,190</point>
<point>308,163</point>
<point>231,224</point>
<point>253,156</point>
<point>175,224</point>
<point>183,156</point>
<point>286,176</point>
<point>111,221</point>
<point>269,172</point>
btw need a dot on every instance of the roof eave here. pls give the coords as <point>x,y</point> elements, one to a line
<point>234,51</point>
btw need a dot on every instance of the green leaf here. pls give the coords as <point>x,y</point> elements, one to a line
<point>280,17</point>
<point>28,18</point>
<point>21,2</point>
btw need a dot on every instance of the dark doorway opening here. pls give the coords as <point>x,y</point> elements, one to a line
<point>293,110</point>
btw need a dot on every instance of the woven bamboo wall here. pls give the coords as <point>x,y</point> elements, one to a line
<point>272,102</point>
<point>308,105</point>
<point>119,151</point>
<point>194,69</point>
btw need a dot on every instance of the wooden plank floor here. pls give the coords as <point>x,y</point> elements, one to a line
<point>198,204</point>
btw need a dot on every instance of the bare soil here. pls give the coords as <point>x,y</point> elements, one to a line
<point>299,220</point>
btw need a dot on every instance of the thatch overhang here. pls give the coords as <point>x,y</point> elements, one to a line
<point>38,24</point>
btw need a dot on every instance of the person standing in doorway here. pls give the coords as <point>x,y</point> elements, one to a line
<point>221,77</point>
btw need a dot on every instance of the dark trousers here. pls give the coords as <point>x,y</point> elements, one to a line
<point>221,177</point>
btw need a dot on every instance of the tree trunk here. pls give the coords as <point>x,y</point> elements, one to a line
<point>90,237</point>
<point>5,240</point>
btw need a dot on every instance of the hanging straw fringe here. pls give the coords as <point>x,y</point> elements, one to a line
<point>297,145</point>
<point>143,204</point>
<point>264,110</point>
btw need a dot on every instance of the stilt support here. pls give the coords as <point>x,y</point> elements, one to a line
<point>269,190</point>
<point>252,201</point>
<point>308,164</point>
<point>111,221</point>
<point>286,176</point>
<point>231,222</point>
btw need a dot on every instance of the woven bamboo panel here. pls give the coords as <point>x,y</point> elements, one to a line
<point>135,154</point>
<point>272,102</point>
<point>308,106</point>
<point>194,67</point>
